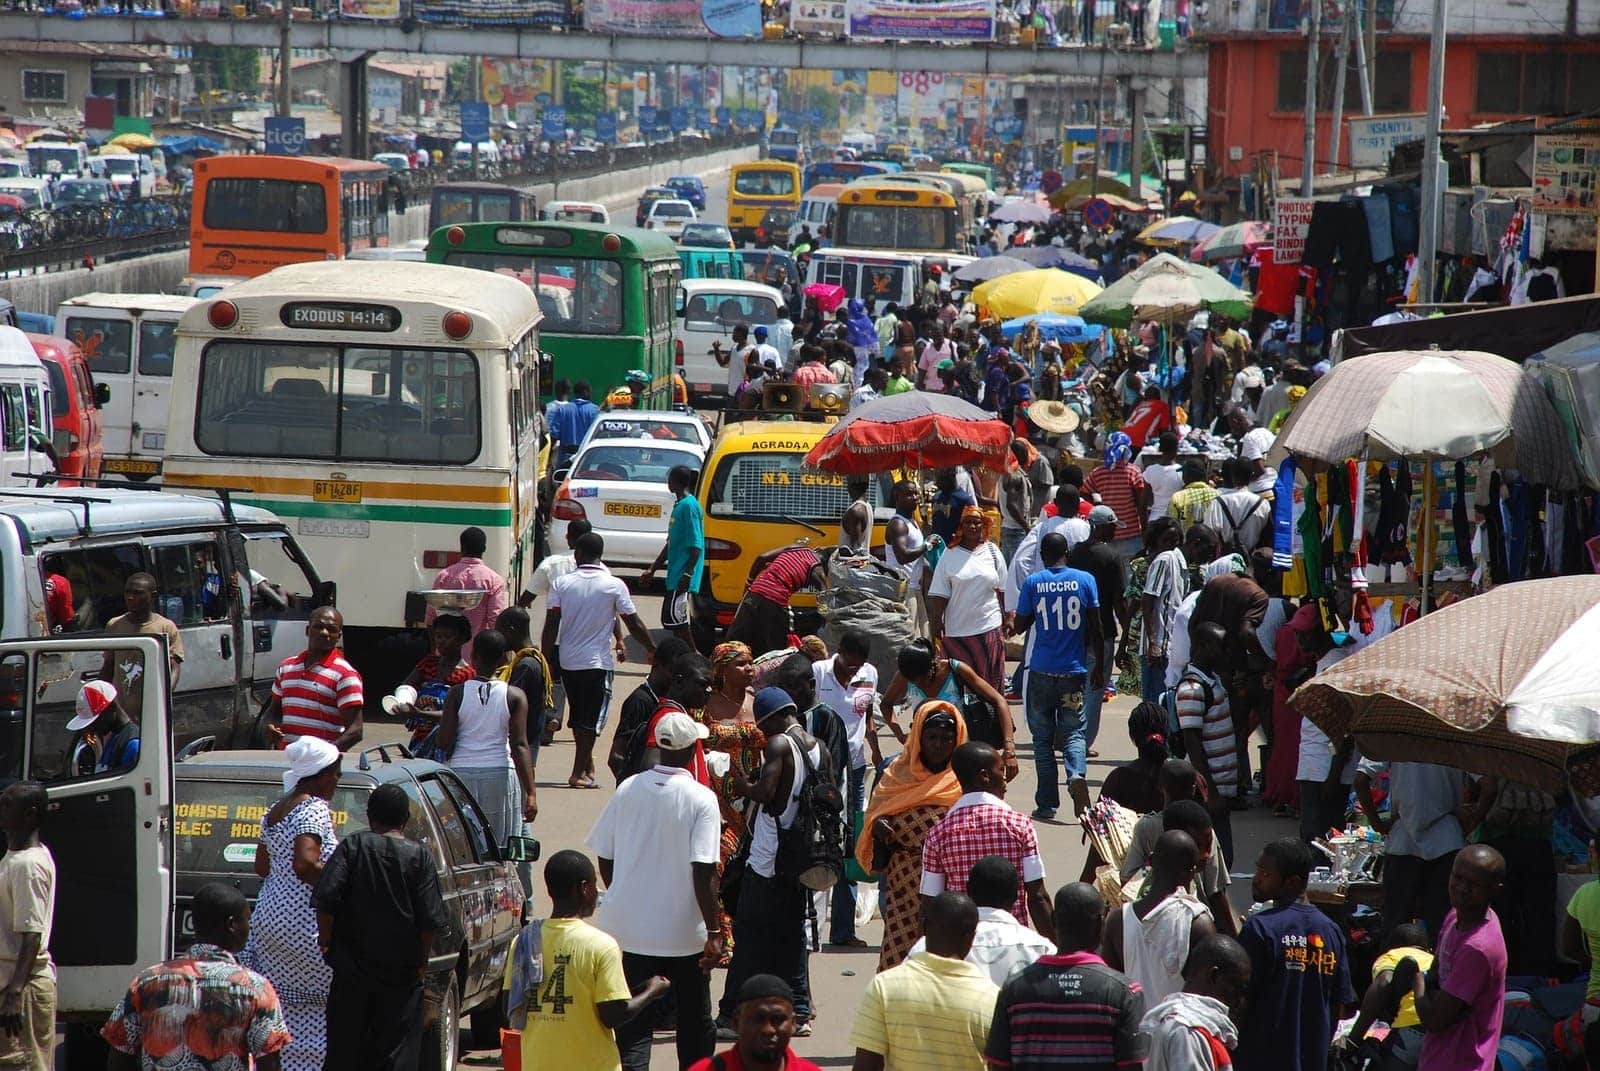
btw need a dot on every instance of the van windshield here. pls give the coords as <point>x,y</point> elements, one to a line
<point>773,486</point>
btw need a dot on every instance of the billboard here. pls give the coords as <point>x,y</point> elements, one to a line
<point>674,18</point>
<point>921,20</point>
<point>825,17</point>
<point>1566,168</point>
<point>515,81</point>
<point>369,9</point>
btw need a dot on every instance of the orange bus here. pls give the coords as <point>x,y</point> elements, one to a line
<point>255,213</point>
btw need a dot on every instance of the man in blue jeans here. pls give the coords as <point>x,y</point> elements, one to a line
<point>1060,606</point>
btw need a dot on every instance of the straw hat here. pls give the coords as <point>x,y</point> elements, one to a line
<point>1054,417</point>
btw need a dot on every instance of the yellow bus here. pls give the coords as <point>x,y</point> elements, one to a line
<point>880,213</point>
<point>754,188</point>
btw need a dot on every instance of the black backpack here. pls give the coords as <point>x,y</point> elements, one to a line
<point>811,849</point>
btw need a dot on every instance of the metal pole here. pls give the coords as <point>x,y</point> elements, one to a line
<point>1099,119</point>
<point>284,89</point>
<point>1369,33</point>
<point>1308,157</point>
<point>1432,187</point>
<point>1339,74</point>
<point>1136,139</point>
<point>1363,78</point>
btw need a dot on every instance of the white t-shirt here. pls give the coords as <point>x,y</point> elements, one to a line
<point>590,600</point>
<point>553,568</point>
<point>1165,481</point>
<point>736,364</point>
<point>969,579</point>
<point>657,824</point>
<point>850,701</point>
<point>1316,756</point>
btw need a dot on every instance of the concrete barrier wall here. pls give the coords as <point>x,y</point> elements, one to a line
<point>161,272</point>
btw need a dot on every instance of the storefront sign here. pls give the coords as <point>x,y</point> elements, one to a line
<point>1373,138</point>
<point>1291,222</point>
<point>1566,168</point>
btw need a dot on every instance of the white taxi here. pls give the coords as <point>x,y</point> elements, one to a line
<point>620,487</point>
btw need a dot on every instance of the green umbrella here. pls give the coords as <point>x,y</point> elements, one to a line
<point>1165,289</point>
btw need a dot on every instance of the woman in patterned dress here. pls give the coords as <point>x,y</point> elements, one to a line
<point>913,794</point>
<point>1162,534</point>
<point>297,837</point>
<point>728,714</point>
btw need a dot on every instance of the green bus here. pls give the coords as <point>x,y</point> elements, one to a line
<point>962,167</point>
<point>607,294</point>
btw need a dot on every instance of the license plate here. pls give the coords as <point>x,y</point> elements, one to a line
<point>632,509</point>
<point>133,466</point>
<point>336,491</point>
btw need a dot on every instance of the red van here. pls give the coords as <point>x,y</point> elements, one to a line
<point>75,403</point>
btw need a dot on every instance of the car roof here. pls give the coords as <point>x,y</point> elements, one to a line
<point>731,286</point>
<point>671,201</point>
<point>64,512</point>
<point>691,179</point>
<point>769,436</point>
<point>270,766</point>
<point>643,440</point>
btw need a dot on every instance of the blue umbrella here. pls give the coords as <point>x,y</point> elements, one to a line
<point>1049,256</point>
<point>1054,327</point>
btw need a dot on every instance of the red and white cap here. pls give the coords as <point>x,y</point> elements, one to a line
<point>93,699</point>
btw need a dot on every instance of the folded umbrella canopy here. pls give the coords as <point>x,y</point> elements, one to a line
<point>986,268</point>
<point>1038,290</point>
<point>1473,684</point>
<point>915,427</point>
<point>1234,240</point>
<point>1053,327</point>
<point>1432,405</point>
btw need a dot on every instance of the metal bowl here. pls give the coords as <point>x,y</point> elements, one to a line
<point>452,598</point>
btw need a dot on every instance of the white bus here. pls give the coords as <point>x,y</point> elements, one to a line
<point>384,407</point>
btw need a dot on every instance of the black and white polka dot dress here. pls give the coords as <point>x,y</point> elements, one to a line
<point>283,935</point>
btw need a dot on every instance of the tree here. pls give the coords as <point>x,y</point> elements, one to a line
<point>236,70</point>
<point>584,98</point>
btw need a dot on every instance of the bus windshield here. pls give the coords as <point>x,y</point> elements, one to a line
<point>345,403</point>
<point>785,137</point>
<point>456,206</point>
<point>577,295</point>
<point>894,227</point>
<point>262,204</point>
<point>764,183</point>
<point>710,309</point>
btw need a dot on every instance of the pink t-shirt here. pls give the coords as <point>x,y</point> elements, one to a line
<point>1472,968</point>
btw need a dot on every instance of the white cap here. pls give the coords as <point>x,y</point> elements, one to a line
<point>93,699</point>
<point>1256,443</point>
<point>307,757</point>
<point>676,731</point>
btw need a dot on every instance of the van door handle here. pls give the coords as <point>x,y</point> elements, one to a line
<point>227,646</point>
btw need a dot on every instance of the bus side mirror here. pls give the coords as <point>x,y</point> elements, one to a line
<point>327,593</point>
<point>102,395</point>
<point>547,366</point>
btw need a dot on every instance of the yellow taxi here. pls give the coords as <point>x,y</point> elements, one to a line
<point>757,497</point>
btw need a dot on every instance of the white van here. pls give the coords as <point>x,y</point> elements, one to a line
<point>68,159</point>
<point>25,425</point>
<point>575,212</point>
<point>15,167</point>
<point>34,192</point>
<point>130,174</point>
<point>818,206</point>
<point>881,275</point>
<point>129,341</point>
<point>707,311</point>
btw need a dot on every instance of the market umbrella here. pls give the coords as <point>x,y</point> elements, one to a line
<point>1176,230</point>
<point>134,141</point>
<point>1038,290</point>
<point>1462,688</point>
<point>1433,405</point>
<point>1234,240</point>
<point>829,296</point>
<point>986,268</point>
<point>1021,212</point>
<point>914,427</point>
<point>1053,327</point>
<point>1167,290</point>
<point>1052,256</point>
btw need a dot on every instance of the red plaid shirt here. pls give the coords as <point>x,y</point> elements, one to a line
<point>978,825</point>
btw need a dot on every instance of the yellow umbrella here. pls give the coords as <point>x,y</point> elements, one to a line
<point>134,141</point>
<point>1026,292</point>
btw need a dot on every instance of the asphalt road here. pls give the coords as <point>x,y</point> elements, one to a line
<point>839,977</point>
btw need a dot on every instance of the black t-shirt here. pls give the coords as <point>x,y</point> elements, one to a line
<point>381,891</point>
<point>1101,561</point>
<point>629,740</point>
<point>1072,1003</point>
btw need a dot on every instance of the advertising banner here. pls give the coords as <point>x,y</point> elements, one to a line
<point>679,119</point>
<point>369,9</point>
<point>647,117</point>
<point>822,17</point>
<point>1374,137</point>
<point>922,20</point>
<point>1291,222</point>
<point>553,125</point>
<point>674,18</point>
<point>514,81</point>
<point>702,118</point>
<point>1565,169</point>
<point>488,12</point>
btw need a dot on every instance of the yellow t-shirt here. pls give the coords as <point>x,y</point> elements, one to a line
<point>1407,1015</point>
<point>1585,907</point>
<point>582,968</point>
<point>930,1013</point>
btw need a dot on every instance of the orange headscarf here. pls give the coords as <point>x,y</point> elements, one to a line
<point>907,784</point>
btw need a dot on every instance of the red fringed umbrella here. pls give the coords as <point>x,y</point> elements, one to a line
<point>912,429</point>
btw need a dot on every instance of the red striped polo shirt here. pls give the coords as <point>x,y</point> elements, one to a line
<point>784,575</point>
<point>1117,487</point>
<point>316,696</point>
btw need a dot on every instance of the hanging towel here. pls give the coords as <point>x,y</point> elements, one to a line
<point>1322,237</point>
<point>1283,516</point>
<point>1379,235</point>
<point>1459,521</point>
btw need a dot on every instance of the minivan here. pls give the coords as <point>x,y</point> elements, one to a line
<point>25,423</point>
<point>708,310</point>
<point>128,340</point>
<point>230,577</point>
<point>75,404</point>
<point>131,174</point>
